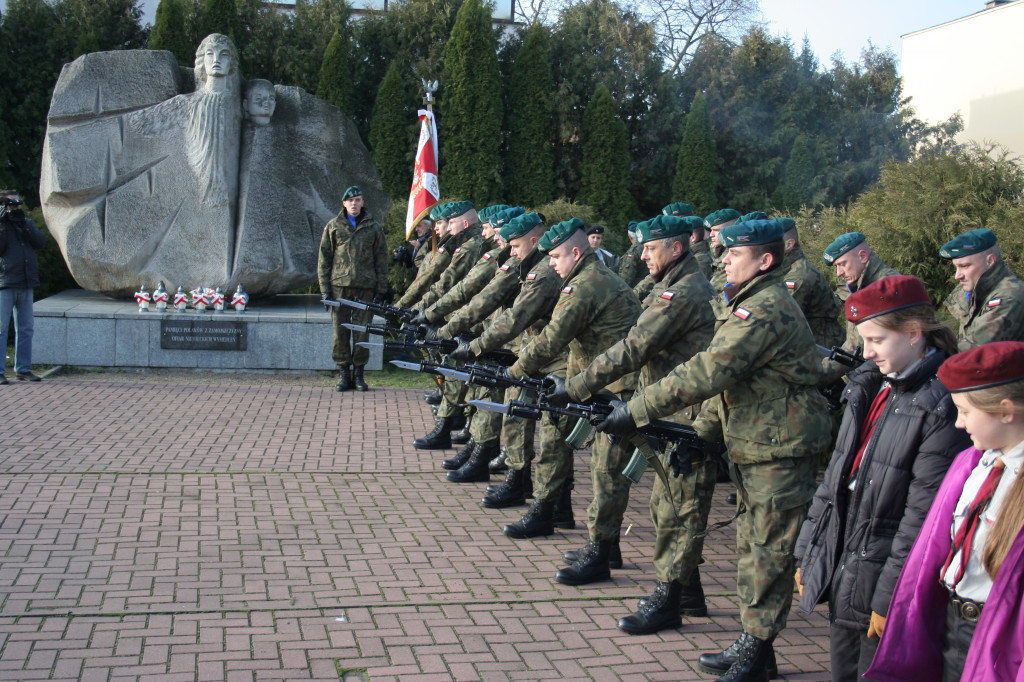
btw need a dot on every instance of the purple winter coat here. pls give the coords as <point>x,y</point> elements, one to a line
<point>911,646</point>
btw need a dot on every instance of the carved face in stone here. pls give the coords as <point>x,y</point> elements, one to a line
<point>216,57</point>
<point>260,101</point>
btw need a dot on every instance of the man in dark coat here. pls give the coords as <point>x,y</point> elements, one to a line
<point>19,274</point>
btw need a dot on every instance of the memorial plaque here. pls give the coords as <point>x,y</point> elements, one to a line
<point>203,334</point>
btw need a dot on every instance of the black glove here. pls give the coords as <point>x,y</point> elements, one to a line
<point>420,318</point>
<point>682,457</point>
<point>327,297</point>
<point>462,353</point>
<point>619,422</point>
<point>425,332</point>
<point>556,395</point>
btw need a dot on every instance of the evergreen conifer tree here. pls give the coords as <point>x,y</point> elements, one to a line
<point>220,16</point>
<point>696,166</point>
<point>797,186</point>
<point>390,141</point>
<point>336,75</point>
<point>531,159</point>
<point>170,31</point>
<point>604,177</point>
<point>471,109</point>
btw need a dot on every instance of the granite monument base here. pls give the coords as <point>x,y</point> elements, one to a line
<point>87,329</point>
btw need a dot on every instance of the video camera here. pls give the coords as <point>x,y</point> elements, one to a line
<point>9,205</point>
<point>403,256</point>
<point>9,202</point>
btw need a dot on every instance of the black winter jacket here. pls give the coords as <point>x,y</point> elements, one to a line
<point>19,239</point>
<point>853,544</point>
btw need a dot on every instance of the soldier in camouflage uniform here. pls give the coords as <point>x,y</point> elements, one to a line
<point>595,309</point>
<point>530,312</point>
<point>989,301</point>
<point>700,247</point>
<point>677,323</point>
<point>467,246</point>
<point>858,266</point>
<point>759,376</point>
<point>631,268</point>
<point>353,264</point>
<point>811,290</point>
<point>433,264</point>
<point>715,222</point>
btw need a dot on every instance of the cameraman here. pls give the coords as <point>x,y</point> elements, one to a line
<point>411,256</point>
<point>19,274</point>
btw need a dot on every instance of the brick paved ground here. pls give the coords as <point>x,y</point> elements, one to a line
<point>165,530</point>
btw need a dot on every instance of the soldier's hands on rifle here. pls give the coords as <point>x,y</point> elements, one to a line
<point>619,421</point>
<point>425,332</point>
<point>462,352</point>
<point>681,458</point>
<point>556,395</point>
<point>327,296</point>
<point>419,319</point>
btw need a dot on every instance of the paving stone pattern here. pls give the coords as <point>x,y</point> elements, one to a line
<point>172,531</point>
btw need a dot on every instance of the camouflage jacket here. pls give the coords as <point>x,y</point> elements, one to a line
<point>467,248</point>
<point>717,278</point>
<point>994,311</point>
<point>476,279</point>
<point>644,288</point>
<point>677,322</point>
<point>530,310</point>
<point>595,310</point>
<point>702,252</point>
<point>631,268</point>
<point>759,374</point>
<point>815,297</point>
<point>497,293</point>
<point>873,271</point>
<point>353,257</point>
<point>434,264</point>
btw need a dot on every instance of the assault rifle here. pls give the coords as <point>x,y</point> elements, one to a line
<point>843,357</point>
<point>501,356</point>
<point>387,310</point>
<point>492,377</point>
<point>380,330</point>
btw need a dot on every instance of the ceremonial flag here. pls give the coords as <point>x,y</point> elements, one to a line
<point>425,191</point>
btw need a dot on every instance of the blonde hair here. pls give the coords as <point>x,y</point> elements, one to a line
<point>935,333</point>
<point>1011,516</point>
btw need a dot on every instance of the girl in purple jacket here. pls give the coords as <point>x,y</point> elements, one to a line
<point>958,608</point>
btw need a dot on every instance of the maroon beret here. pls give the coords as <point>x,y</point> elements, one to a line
<point>992,364</point>
<point>884,296</point>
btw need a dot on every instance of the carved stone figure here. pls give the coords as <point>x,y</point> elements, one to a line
<point>156,172</point>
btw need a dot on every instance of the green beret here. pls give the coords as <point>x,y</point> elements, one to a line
<point>487,212</point>
<point>519,225</point>
<point>750,233</point>
<point>631,228</point>
<point>664,226</point>
<point>787,223</point>
<point>437,213</point>
<point>559,233</point>
<point>968,243</point>
<point>841,245</point>
<point>456,208</point>
<point>753,215</point>
<point>720,216</point>
<point>353,191</point>
<point>501,218</point>
<point>678,208</point>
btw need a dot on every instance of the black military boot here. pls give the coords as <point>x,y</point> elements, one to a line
<point>591,565</point>
<point>357,378</point>
<point>723,663</point>
<point>659,612</point>
<point>345,380</point>
<point>438,439</point>
<point>459,422</point>
<point>510,493</point>
<point>475,468</point>
<point>534,523</point>
<point>461,436</point>
<point>433,397</point>
<point>461,457</point>
<point>563,517</point>
<point>614,557</point>
<point>499,463</point>
<point>691,601</point>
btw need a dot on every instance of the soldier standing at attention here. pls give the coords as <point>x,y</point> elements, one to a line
<point>811,290</point>
<point>353,264</point>
<point>989,301</point>
<point>715,222</point>
<point>858,266</point>
<point>759,375</point>
<point>631,268</point>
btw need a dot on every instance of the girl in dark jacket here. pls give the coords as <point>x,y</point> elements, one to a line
<point>896,441</point>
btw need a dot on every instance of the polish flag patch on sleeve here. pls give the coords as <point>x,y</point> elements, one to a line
<point>790,285</point>
<point>567,290</point>
<point>486,256</point>
<point>458,250</point>
<point>995,302</point>
<point>440,249</point>
<point>532,276</point>
<point>504,268</point>
<point>668,295</point>
<point>741,313</point>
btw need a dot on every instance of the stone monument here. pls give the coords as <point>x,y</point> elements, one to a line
<point>154,172</point>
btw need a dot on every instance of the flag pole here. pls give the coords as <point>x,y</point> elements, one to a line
<point>425,191</point>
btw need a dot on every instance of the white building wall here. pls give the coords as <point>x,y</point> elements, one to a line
<point>973,65</point>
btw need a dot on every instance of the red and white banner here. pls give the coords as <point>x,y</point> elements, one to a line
<point>425,191</point>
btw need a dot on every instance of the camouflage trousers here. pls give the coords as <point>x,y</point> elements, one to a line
<point>776,495</point>
<point>517,434</point>
<point>680,521</point>
<point>453,394</point>
<point>553,466</point>
<point>611,488</point>
<point>344,350</point>
<point>485,427</point>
